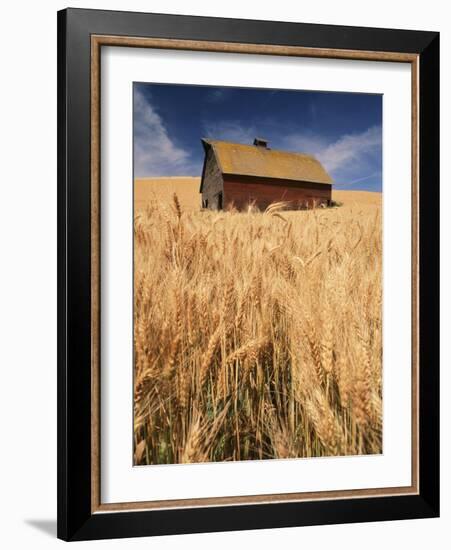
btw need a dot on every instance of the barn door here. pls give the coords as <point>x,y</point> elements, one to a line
<point>220,201</point>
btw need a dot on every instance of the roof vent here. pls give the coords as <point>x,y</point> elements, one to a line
<point>259,142</point>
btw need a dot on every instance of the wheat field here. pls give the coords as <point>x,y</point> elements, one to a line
<point>256,335</point>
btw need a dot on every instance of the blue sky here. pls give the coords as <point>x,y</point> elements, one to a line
<point>342,130</point>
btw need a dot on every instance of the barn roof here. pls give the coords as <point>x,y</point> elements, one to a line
<point>257,161</point>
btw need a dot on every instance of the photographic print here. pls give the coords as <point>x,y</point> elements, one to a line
<point>257,274</point>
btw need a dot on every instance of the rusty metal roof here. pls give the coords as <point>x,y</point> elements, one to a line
<point>252,160</point>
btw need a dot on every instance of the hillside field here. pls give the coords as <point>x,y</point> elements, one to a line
<point>257,335</point>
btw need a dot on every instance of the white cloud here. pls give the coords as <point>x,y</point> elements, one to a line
<point>304,143</point>
<point>353,157</point>
<point>155,153</point>
<point>218,95</point>
<point>230,130</point>
<point>352,148</point>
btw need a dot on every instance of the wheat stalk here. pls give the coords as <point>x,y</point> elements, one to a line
<point>277,324</point>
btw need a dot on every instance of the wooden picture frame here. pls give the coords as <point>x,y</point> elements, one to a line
<point>81,35</point>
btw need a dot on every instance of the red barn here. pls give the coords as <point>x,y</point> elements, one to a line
<point>237,175</point>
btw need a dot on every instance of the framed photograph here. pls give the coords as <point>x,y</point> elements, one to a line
<point>248,274</point>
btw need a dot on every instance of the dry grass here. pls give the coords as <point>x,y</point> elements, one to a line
<point>256,335</point>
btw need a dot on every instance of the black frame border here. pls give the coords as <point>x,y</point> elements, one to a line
<point>75,520</point>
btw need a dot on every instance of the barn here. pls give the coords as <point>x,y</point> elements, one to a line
<point>239,175</point>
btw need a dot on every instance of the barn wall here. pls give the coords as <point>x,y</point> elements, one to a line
<point>212,185</point>
<point>240,191</point>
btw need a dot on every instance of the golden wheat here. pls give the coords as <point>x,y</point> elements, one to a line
<point>257,335</point>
